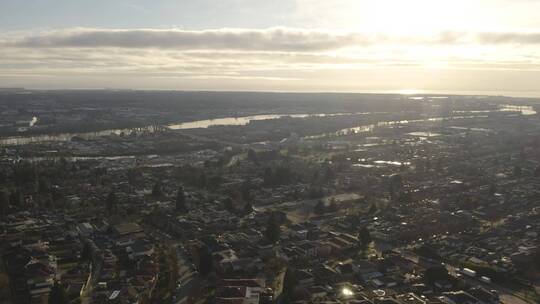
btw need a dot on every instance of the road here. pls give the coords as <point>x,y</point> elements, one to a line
<point>506,295</point>
<point>94,276</point>
<point>188,278</point>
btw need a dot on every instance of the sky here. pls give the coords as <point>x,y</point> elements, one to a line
<point>490,46</point>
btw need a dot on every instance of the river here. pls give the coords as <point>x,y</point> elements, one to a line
<point>244,120</point>
<point>198,124</point>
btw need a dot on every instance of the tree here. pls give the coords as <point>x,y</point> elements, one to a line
<point>111,202</point>
<point>228,204</point>
<point>252,155</point>
<point>48,201</point>
<point>24,173</point>
<point>181,200</point>
<point>492,189</point>
<point>16,198</point>
<point>133,175</point>
<point>58,294</point>
<point>373,209</point>
<point>354,220</point>
<point>248,208</point>
<point>273,229</point>
<point>517,170</point>
<point>206,263</point>
<point>268,176</point>
<point>279,175</point>
<point>395,186</point>
<point>157,190</point>
<point>57,195</point>
<point>86,252</point>
<point>329,174</point>
<point>245,191</point>
<point>315,192</point>
<point>173,269</point>
<point>201,180</point>
<point>4,203</point>
<point>320,208</point>
<point>333,206</point>
<point>290,281</point>
<point>428,252</point>
<point>43,185</point>
<point>4,286</point>
<point>436,273</point>
<point>537,258</point>
<point>162,292</point>
<point>406,198</point>
<point>210,241</point>
<point>364,237</point>
<point>214,181</point>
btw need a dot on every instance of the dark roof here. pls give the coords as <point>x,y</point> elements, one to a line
<point>231,292</point>
<point>127,228</point>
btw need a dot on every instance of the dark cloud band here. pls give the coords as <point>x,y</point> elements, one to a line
<point>273,39</point>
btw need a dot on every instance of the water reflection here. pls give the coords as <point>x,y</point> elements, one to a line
<point>242,121</point>
<point>393,163</point>
<point>24,140</point>
<point>371,127</point>
<point>424,134</point>
<point>525,110</point>
<point>380,163</point>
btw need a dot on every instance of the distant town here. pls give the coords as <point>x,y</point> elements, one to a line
<point>258,198</point>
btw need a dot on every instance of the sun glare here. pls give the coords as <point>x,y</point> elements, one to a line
<point>409,17</point>
<point>409,92</point>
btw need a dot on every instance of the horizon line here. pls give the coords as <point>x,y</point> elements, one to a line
<point>397,92</point>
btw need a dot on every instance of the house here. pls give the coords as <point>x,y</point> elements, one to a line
<point>317,292</point>
<point>459,297</point>
<point>323,249</point>
<point>325,274</point>
<point>304,278</point>
<point>125,229</point>
<point>307,250</point>
<point>139,249</point>
<point>411,298</point>
<point>298,231</point>
<point>484,295</point>
<point>367,270</point>
<point>346,270</point>
<point>85,229</point>
<point>241,291</point>
<point>224,260</point>
<point>40,278</point>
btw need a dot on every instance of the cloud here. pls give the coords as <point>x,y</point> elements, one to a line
<point>273,39</point>
<point>278,39</point>
<point>509,38</point>
<point>291,57</point>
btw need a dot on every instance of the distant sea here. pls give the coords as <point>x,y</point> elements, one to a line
<point>517,94</point>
